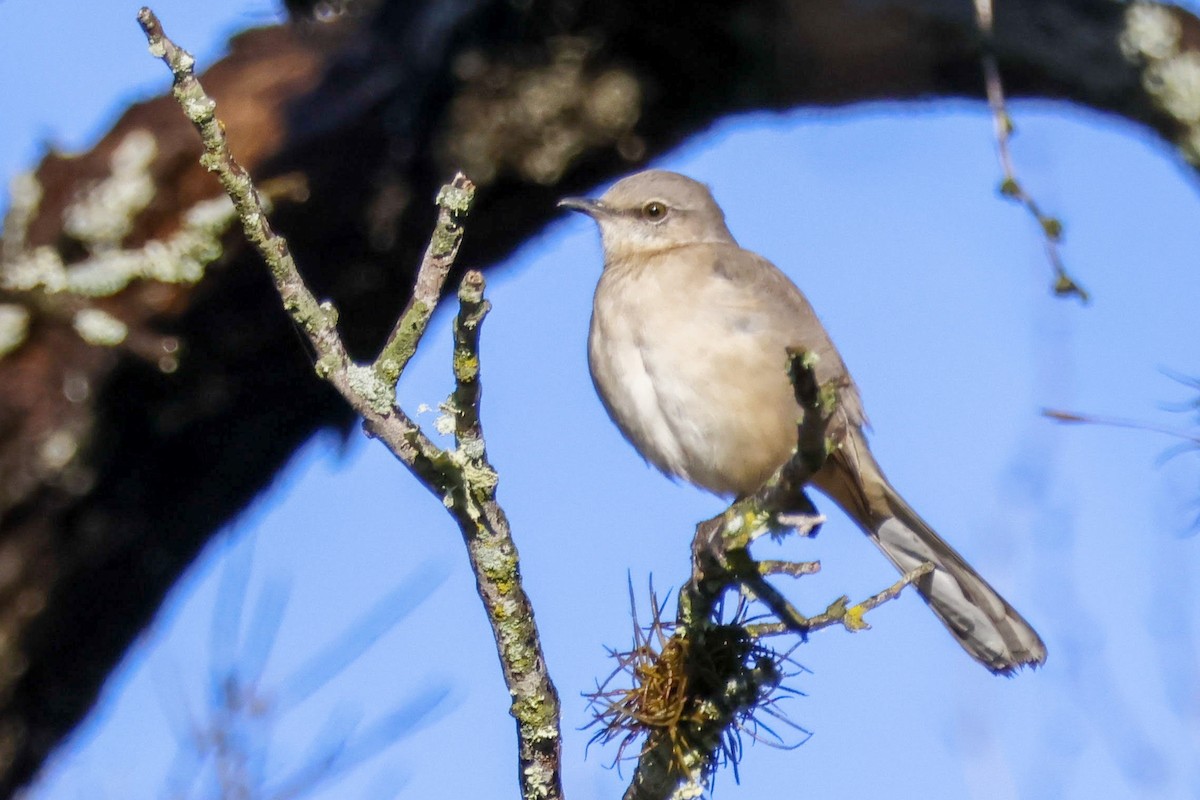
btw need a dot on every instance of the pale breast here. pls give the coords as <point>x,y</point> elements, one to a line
<point>692,374</point>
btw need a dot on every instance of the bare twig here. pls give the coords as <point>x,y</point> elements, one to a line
<point>840,612</point>
<point>1077,418</point>
<point>1051,227</point>
<point>795,569</point>
<point>462,478</point>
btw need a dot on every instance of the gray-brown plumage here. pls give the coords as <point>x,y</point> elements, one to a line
<point>688,349</point>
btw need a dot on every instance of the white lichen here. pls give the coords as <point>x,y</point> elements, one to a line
<point>24,197</point>
<point>481,477</point>
<point>99,218</point>
<point>210,215</point>
<point>198,108</point>
<point>612,103</point>
<point>473,449</point>
<point>1151,31</point>
<point>1175,84</point>
<point>40,268</point>
<point>1151,39</point>
<point>99,328</point>
<point>14,327</point>
<point>181,258</point>
<point>443,423</point>
<point>104,213</point>
<point>367,385</point>
<point>688,789</point>
<point>535,120</point>
<point>58,449</point>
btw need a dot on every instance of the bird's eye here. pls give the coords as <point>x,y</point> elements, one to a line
<point>654,211</point>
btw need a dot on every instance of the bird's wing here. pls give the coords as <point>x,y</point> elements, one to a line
<point>769,293</point>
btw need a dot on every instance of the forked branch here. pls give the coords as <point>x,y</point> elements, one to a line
<point>462,477</point>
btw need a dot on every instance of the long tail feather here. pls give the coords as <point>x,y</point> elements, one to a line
<point>980,619</point>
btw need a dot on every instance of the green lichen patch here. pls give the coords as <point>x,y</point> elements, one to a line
<point>456,199</point>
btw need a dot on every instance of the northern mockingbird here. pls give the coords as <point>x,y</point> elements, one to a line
<point>688,352</point>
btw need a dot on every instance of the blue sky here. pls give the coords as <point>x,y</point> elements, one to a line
<point>935,290</point>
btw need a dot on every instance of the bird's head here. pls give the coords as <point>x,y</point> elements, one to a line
<point>652,211</point>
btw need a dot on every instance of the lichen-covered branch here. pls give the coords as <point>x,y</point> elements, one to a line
<point>841,612</point>
<point>465,402</point>
<point>318,321</point>
<point>38,282</point>
<point>453,202</point>
<point>723,675</point>
<point>496,565</point>
<point>461,477</point>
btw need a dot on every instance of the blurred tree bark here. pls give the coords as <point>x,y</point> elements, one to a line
<point>117,464</point>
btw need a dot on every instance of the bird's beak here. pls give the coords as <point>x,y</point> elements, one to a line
<point>593,208</point>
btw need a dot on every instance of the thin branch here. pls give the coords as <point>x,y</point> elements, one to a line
<point>1051,227</point>
<point>467,389</point>
<point>1076,418</point>
<point>494,559</point>
<point>317,320</point>
<point>462,478</point>
<point>795,569</point>
<point>453,202</point>
<point>840,612</point>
